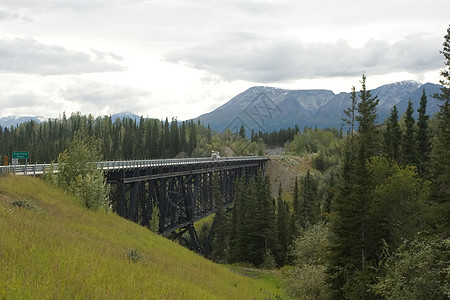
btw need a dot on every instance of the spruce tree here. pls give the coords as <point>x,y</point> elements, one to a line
<point>409,141</point>
<point>238,232</point>
<point>219,242</point>
<point>242,131</point>
<point>309,201</point>
<point>367,114</point>
<point>392,136</point>
<point>352,247</point>
<point>282,227</point>
<point>423,136</point>
<point>261,221</point>
<point>351,112</point>
<point>294,222</point>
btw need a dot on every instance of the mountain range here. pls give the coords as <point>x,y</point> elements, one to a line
<point>263,108</point>
<point>6,122</point>
<point>268,108</point>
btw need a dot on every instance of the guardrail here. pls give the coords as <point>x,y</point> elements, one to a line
<point>38,169</point>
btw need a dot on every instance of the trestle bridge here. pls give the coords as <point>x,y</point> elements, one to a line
<point>180,188</point>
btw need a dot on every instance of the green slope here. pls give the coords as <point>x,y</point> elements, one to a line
<point>53,248</point>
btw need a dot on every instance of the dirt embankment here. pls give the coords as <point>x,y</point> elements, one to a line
<point>283,169</point>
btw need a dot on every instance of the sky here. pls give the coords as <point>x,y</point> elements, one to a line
<point>180,58</point>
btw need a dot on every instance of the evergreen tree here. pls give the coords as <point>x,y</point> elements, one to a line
<point>367,114</point>
<point>282,227</point>
<point>166,141</point>
<point>329,196</point>
<point>183,140</point>
<point>409,141</point>
<point>219,241</point>
<point>309,201</point>
<point>174,138</point>
<point>350,112</point>
<point>238,234</point>
<point>352,247</point>
<point>423,137</point>
<point>242,131</point>
<point>392,136</point>
<point>294,222</point>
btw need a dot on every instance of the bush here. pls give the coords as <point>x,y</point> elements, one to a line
<point>417,270</point>
<point>78,173</point>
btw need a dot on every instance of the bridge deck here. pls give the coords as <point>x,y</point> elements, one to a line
<point>107,166</point>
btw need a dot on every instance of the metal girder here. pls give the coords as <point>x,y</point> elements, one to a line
<point>183,193</point>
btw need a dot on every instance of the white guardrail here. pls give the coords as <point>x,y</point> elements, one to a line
<point>38,169</point>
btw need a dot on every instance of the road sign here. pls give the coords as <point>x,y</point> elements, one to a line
<point>15,161</point>
<point>20,154</point>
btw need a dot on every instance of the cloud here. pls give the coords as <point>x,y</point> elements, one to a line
<point>95,96</point>
<point>255,58</point>
<point>6,15</point>
<point>29,56</point>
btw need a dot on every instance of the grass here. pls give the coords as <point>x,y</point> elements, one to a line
<point>53,248</point>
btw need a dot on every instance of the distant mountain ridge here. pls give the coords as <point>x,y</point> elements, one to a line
<point>268,108</point>
<point>6,122</point>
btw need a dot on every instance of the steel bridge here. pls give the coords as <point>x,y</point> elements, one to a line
<point>180,188</point>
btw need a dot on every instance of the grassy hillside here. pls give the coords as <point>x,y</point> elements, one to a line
<point>51,247</point>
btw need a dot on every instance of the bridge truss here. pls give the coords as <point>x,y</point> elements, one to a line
<point>182,190</point>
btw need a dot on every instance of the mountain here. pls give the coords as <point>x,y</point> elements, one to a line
<point>9,121</point>
<point>268,108</point>
<point>123,115</point>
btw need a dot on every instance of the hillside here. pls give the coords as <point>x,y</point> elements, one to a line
<point>267,108</point>
<point>52,248</point>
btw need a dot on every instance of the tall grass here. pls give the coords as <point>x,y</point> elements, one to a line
<point>60,250</point>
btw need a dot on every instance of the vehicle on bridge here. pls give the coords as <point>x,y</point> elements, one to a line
<point>215,154</point>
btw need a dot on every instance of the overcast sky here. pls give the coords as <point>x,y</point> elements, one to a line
<point>180,58</point>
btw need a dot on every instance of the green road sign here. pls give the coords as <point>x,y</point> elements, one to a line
<point>20,155</point>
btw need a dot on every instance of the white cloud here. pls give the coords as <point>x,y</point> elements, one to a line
<point>183,58</point>
<point>21,55</point>
<point>252,57</point>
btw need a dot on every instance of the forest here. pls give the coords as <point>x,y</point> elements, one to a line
<point>369,220</point>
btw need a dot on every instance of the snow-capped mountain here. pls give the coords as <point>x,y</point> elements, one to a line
<point>14,120</point>
<point>268,108</point>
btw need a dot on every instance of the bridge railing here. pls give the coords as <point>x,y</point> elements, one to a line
<point>28,169</point>
<point>37,169</point>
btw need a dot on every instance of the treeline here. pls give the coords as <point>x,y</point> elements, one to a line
<point>124,138</point>
<point>276,137</point>
<point>120,139</point>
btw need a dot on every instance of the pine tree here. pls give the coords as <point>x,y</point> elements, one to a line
<point>392,136</point>
<point>409,141</point>
<point>423,136</point>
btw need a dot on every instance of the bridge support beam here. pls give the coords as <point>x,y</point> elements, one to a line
<point>183,193</point>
